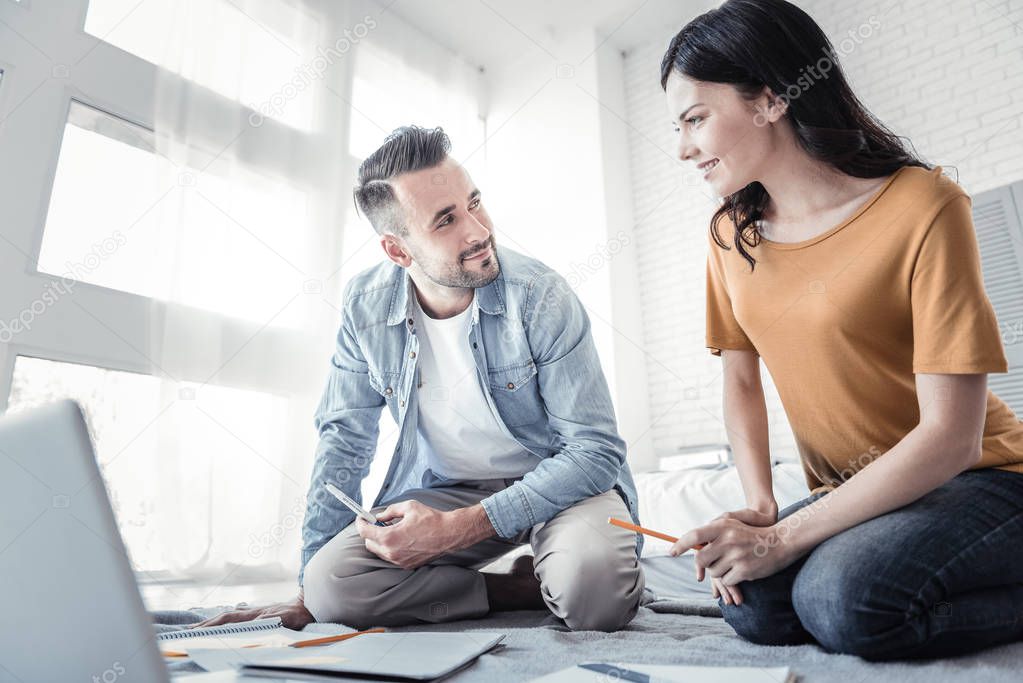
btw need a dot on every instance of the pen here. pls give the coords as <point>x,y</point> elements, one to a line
<point>613,673</point>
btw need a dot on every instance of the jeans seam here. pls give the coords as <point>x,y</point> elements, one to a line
<point>975,541</point>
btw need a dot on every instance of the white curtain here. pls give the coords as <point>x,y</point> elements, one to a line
<point>263,110</point>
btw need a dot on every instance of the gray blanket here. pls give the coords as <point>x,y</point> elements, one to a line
<point>667,630</point>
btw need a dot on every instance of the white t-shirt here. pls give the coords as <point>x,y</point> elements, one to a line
<point>458,431</point>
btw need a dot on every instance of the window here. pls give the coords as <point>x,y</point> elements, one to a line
<point>218,45</point>
<point>123,217</point>
<point>388,92</point>
<point>201,442</point>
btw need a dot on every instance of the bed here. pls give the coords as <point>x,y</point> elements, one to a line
<point>679,622</point>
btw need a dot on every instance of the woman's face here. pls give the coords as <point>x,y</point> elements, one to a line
<point>715,123</point>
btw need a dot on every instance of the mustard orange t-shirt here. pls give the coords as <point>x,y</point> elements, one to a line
<point>843,321</point>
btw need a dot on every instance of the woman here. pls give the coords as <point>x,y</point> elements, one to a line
<point>851,267</point>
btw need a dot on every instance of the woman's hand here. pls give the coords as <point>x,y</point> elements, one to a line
<point>730,594</point>
<point>293,615</point>
<point>751,517</point>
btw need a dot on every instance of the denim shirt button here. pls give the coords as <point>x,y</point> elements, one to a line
<point>388,391</point>
<point>412,354</point>
<point>402,404</point>
<point>475,345</point>
<point>510,385</point>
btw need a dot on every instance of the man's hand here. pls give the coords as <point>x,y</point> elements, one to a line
<point>293,615</point>
<point>422,533</point>
<point>731,594</point>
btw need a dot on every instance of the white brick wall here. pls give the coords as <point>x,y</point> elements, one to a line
<point>947,74</point>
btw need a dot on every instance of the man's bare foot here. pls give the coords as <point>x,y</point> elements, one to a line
<point>518,589</point>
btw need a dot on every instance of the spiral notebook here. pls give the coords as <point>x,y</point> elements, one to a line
<point>268,624</point>
<point>266,632</point>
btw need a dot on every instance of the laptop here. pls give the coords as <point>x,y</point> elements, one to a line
<point>72,608</point>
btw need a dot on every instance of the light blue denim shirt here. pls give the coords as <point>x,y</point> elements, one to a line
<point>538,368</point>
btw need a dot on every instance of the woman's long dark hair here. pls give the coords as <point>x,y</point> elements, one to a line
<point>753,43</point>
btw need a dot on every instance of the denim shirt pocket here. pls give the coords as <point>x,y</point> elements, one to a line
<point>517,393</point>
<point>386,384</point>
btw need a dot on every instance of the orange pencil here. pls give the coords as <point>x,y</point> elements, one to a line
<point>300,643</point>
<point>334,639</point>
<point>649,532</point>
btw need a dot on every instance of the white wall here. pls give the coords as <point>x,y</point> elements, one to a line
<point>557,185</point>
<point>945,73</point>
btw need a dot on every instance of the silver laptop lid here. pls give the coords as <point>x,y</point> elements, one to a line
<point>72,611</point>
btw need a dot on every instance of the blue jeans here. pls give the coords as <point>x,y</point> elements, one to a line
<point>939,577</point>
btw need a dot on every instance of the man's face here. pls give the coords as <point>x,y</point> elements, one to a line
<point>450,236</point>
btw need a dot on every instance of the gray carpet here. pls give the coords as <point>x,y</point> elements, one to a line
<point>667,630</point>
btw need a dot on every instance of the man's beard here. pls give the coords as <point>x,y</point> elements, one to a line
<point>460,276</point>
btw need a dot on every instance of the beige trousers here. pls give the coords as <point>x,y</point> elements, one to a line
<point>588,570</point>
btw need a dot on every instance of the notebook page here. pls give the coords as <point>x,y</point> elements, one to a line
<point>279,637</point>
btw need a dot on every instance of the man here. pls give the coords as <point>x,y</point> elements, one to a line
<point>507,435</point>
